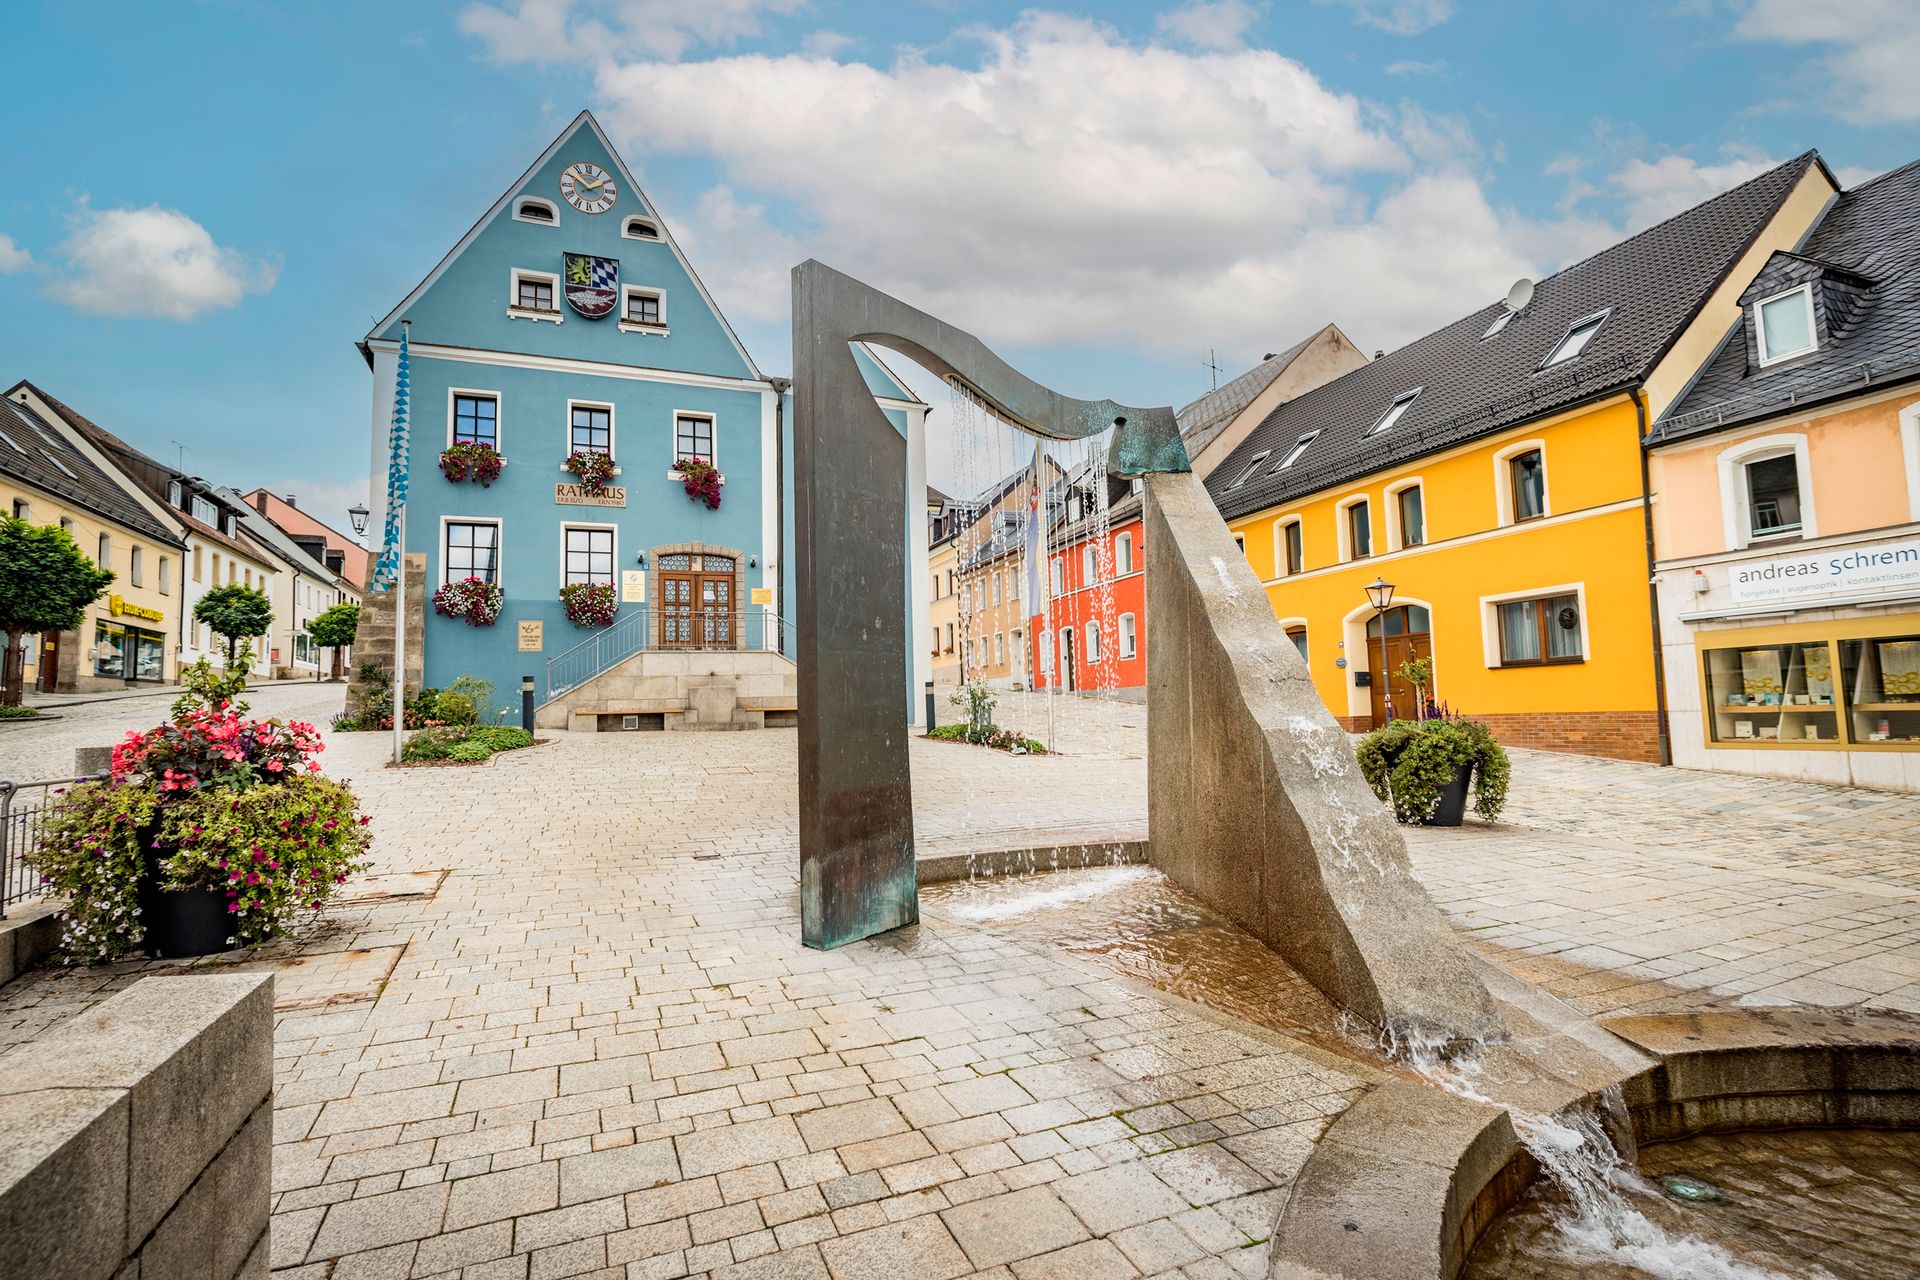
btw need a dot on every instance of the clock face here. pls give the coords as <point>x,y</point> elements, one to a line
<point>588,187</point>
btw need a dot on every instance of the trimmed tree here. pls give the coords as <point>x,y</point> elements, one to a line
<point>236,614</point>
<point>334,629</point>
<point>46,584</point>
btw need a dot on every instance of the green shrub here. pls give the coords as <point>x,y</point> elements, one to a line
<point>432,744</point>
<point>469,750</point>
<point>503,737</point>
<point>992,736</point>
<point>478,694</point>
<point>455,708</point>
<point>18,713</point>
<point>1408,764</point>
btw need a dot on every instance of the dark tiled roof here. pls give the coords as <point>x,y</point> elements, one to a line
<point>1202,421</point>
<point>1651,284</point>
<point>35,452</point>
<point>1868,243</point>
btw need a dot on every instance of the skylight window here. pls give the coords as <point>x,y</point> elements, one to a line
<point>9,440</point>
<point>1246,472</point>
<point>1300,446</point>
<point>1395,412</point>
<point>1579,334</point>
<point>1499,323</point>
<point>56,462</point>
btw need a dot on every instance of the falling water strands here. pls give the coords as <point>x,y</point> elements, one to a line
<point>1600,1224</point>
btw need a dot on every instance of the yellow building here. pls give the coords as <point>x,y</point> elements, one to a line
<point>50,476</point>
<point>1491,472</point>
<point>943,565</point>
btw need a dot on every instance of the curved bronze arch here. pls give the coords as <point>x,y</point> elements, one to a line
<point>856,805</point>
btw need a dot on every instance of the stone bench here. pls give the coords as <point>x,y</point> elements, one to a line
<point>138,1136</point>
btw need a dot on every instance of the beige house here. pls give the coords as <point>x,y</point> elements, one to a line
<point>944,517</point>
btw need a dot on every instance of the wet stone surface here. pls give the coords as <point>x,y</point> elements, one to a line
<point>1843,1204</point>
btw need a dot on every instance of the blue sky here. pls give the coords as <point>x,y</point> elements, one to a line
<point>212,201</point>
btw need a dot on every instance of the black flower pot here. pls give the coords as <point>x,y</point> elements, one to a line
<point>1452,809</point>
<point>179,922</point>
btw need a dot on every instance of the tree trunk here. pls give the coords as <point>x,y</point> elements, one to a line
<point>13,672</point>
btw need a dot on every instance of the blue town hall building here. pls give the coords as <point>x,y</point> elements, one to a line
<point>568,322</point>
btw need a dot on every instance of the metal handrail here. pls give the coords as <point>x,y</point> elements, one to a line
<point>636,631</point>
<point>21,827</point>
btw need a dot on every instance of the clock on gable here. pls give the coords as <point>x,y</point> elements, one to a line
<point>587,187</point>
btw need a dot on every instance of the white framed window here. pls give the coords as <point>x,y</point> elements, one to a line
<point>1394,412</point>
<point>469,548</point>
<point>1240,541</point>
<point>1545,626</point>
<point>201,508</point>
<point>642,309</point>
<point>136,566</point>
<point>1129,636</point>
<point>1353,520</point>
<point>1300,446</point>
<point>473,417</point>
<point>1059,576</point>
<point>166,575</point>
<point>1406,514</point>
<point>640,229</point>
<point>1093,642</point>
<point>66,523</point>
<point>1123,554</point>
<point>999,648</point>
<point>1296,629</point>
<point>1013,584</point>
<point>587,554</point>
<point>695,438</point>
<point>993,590</point>
<point>1784,325</point>
<point>1766,490</point>
<point>535,209</point>
<point>589,427</point>
<point>1520,489</point>
<point>1089,565</point>
<point>1289,546</point>
<point>534,295</point>
<point>105,558</point>
<point>1046,653</point>
<point>22,509</point>
<point>1253,465</point>
<point>1579,334</point>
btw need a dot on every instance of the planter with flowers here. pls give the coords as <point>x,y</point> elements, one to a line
<point>474,600</point>
<point>593,468</point>
<point>212,831</point>
<point>589,604</point>
<point>701,480</point>
<point>468,461</point>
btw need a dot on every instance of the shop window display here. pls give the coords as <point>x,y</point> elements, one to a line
<point>1881,677</point>
<point>1775,694</point>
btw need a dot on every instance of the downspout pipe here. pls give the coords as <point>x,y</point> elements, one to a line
<point>780,388</point>
<point>1653,581</point>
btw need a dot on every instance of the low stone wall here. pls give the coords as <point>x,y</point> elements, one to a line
<point>28,935</point>
<point>136,1138</point>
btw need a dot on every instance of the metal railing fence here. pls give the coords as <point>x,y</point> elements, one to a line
<point>687,630</point>
<point>25,808</point>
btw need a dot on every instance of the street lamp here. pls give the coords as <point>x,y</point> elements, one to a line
<point>1380,593</point>
<point>358,514</point>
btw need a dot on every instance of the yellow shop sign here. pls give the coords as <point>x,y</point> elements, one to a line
<point>118,606</point>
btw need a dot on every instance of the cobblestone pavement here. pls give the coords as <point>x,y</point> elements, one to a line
<point>565,1026</point>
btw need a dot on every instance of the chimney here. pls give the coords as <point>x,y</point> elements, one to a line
<point>1378,353</point>
<point>288,499</point>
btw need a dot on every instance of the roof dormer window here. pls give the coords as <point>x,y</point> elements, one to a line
<point>640,229</point>
<point>534,209</point>
<point>1246,472</point>
<point>1783,325</point>
<point>1395,411</point>
<point>1579,334</point>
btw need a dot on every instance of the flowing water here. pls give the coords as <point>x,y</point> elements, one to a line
<point>1805,1205</point>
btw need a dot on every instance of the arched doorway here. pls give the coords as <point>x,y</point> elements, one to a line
<point>1408,632</point>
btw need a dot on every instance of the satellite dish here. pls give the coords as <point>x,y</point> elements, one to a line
<point>1520,294</point>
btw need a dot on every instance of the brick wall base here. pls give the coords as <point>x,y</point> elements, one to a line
<point>1616,735</point>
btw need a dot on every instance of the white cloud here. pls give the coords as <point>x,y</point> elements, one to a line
<point>153,262</point>
<point>1070,187</point>
<point>1873,47</point>
<point>12,257</point>
<point>1209,24</point>
<point>1407,68</point>
<point>1399,17</point>
<point>596,30</point>
<point>1659,188</point>
<point>825,44</point>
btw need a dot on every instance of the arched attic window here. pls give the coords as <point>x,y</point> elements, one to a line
<point>640,229</point>
<point>534,209</point>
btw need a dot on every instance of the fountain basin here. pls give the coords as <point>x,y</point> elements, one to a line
<point>1409,1178</point>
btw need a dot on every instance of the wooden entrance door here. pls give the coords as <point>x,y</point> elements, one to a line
<point>696,602</point>
<point>50,662</point>
<point>1408,636</point>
